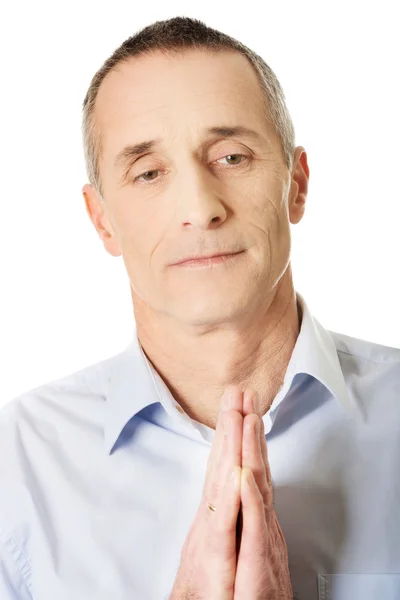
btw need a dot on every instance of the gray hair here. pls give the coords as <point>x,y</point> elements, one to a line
<point>174,36</point>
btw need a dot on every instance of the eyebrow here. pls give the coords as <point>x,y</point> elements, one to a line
<point>130,152</point>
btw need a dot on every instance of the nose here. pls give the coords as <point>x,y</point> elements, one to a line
<point>201,203</point>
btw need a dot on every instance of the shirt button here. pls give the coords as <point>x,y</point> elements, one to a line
<point>178,407</point>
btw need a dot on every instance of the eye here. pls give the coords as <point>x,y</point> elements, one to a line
<point>241,156</point>
<point>143,176</point>
<point>146,173</point>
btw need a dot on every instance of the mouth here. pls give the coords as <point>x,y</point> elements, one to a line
<point>210,261</point>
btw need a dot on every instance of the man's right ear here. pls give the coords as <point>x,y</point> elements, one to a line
<point>97,211</point>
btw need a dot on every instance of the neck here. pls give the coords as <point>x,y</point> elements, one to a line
<point>198,367</point>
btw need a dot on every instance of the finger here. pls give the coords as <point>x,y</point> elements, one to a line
<point>228,504</point>
<point>264,452</point>
<point>222,491</point>
<point>252,457</point>
<point>251,404</point>
<point>253,514</point>
<point>235,394</point>
<point>255,450</point>
<point>227,451</point>
<point>231,400</point>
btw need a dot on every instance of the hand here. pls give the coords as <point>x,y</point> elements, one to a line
<point>262,569</point>
<point>207,567</point>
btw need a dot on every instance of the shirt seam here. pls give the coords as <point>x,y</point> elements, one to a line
<point>375,360</point>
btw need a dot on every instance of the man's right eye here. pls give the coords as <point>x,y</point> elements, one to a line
<point>146,173</point>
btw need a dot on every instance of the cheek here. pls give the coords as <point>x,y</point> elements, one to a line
<point>260,198</point>
<point>266,217</point>
<point>135,224</point>
<point>141,243</point>
<point>270,210</point>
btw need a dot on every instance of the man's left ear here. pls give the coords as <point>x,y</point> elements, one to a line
<point>299,185</point>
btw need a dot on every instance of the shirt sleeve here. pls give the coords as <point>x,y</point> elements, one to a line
<point>14,571</point>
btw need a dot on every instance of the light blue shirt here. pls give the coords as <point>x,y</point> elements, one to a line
<point>101,476</point>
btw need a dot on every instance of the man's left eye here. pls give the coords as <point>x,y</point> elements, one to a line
<point>234,156</point>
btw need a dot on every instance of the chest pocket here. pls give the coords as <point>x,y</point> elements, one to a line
<point>359,586</point>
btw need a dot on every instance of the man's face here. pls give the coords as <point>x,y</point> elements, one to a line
<point>193,192</point>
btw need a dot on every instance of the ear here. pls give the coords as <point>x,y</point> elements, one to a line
<point>97,211</point>
<point>299,186</point>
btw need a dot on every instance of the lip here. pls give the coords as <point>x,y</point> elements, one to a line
<point>207,260</point>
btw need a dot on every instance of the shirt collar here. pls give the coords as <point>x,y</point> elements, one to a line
<point>315,354</point>
<point>132,378</point>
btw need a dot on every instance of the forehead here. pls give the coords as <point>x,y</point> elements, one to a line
<point>155,94</point>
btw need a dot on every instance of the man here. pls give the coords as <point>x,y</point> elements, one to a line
<point>116,481</point>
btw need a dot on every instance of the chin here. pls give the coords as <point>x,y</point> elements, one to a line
<point>208,313</point>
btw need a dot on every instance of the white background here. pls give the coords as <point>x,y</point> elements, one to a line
<point>65,302</point>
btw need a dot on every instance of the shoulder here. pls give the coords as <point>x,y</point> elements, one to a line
<point>53,402</point>
<point>45,434</point>
<point>45,424</point>
<point>361,357</point>
<point>365,351</point>
<point>372,374</point>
